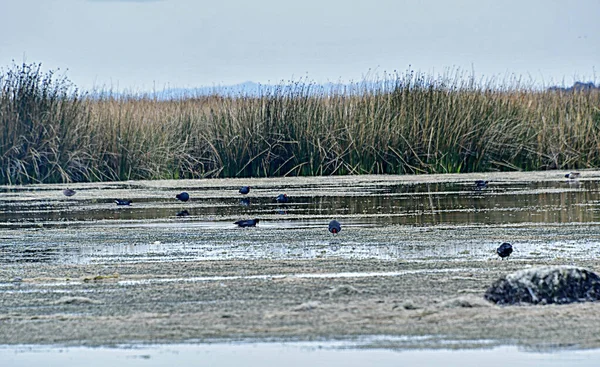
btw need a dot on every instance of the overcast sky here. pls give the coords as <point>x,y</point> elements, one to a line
<point>142,44</point>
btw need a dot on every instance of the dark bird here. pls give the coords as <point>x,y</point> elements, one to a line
<point>245,202</point>
<point>245,190</point>
<point>246,223</point>
<point>504,250</point>
<point>123,202</point>
<point>573,175</point>
<point>335,227</point>
<point>184,196</point>
<point>183,213</point>
<point>481,184</point>
<point>282,198</point>
<point>69,192</point>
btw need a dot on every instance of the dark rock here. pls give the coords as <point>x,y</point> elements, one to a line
<point>245,190</point>
<point>68,192</point>
<point>544,285</point>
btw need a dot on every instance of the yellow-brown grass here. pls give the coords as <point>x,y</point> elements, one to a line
<point>410,124</point>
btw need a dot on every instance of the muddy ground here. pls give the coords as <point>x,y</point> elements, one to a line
<point>117,279</point>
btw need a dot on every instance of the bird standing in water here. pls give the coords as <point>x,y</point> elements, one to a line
<point>246,223</point>
<point>573,175</point>
<point>335,227</point>
<point>504,250</point>
<point>245,190</point>
<point>481,184</point>
<point>123,202</point>
<point>184,196</point>
<point>68,192</point>
<point>282,198</point>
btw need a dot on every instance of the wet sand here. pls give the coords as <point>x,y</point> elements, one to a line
<point>418,270</point>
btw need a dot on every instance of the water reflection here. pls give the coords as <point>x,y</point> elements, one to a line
<point>30,254</point>
<point>377,204</point>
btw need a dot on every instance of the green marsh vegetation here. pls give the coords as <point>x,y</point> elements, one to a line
<point>405,123</point>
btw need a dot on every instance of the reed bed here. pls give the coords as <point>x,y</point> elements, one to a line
<point>407,123</point>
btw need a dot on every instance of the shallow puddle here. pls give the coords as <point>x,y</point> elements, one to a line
<point>325,353</point>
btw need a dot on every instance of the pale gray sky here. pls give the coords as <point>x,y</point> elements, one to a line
<point>139,44</point>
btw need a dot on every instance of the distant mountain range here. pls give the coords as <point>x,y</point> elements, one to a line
<point>577,86</point>
<point>252,89</point>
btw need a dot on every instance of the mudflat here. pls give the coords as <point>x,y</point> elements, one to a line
<point>414,258</point>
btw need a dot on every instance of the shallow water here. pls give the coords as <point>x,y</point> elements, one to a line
<point>383,217</point>
<point>379,204</point>
<point>324,353</point>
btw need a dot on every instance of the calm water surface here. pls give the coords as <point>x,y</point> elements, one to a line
<point>316,354</point>
<point>376,204</point>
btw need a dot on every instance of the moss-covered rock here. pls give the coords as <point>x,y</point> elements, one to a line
<point>544,285</point>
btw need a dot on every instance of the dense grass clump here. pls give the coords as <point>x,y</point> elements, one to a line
<point>41,120</point>
<point>407,123</point>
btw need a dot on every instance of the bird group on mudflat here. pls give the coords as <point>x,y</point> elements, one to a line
<point>506,248</point>
<point>335,227</point>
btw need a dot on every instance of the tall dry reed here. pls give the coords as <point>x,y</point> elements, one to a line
<point>409,123</point>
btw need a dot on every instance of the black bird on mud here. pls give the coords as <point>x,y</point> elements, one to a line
<point>184,196</point>
<point>481,184</point>
<point>573,175</point>
<point>282,199</point>
<point>245,190</point>
<point>335,227</point>
<point>504,250</point>
<point>123,202</point>
<point>246,223</point>
<point>183,213</point>
<point>68,192</point>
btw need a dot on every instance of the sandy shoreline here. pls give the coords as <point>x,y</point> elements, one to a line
<point>95,306</point>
